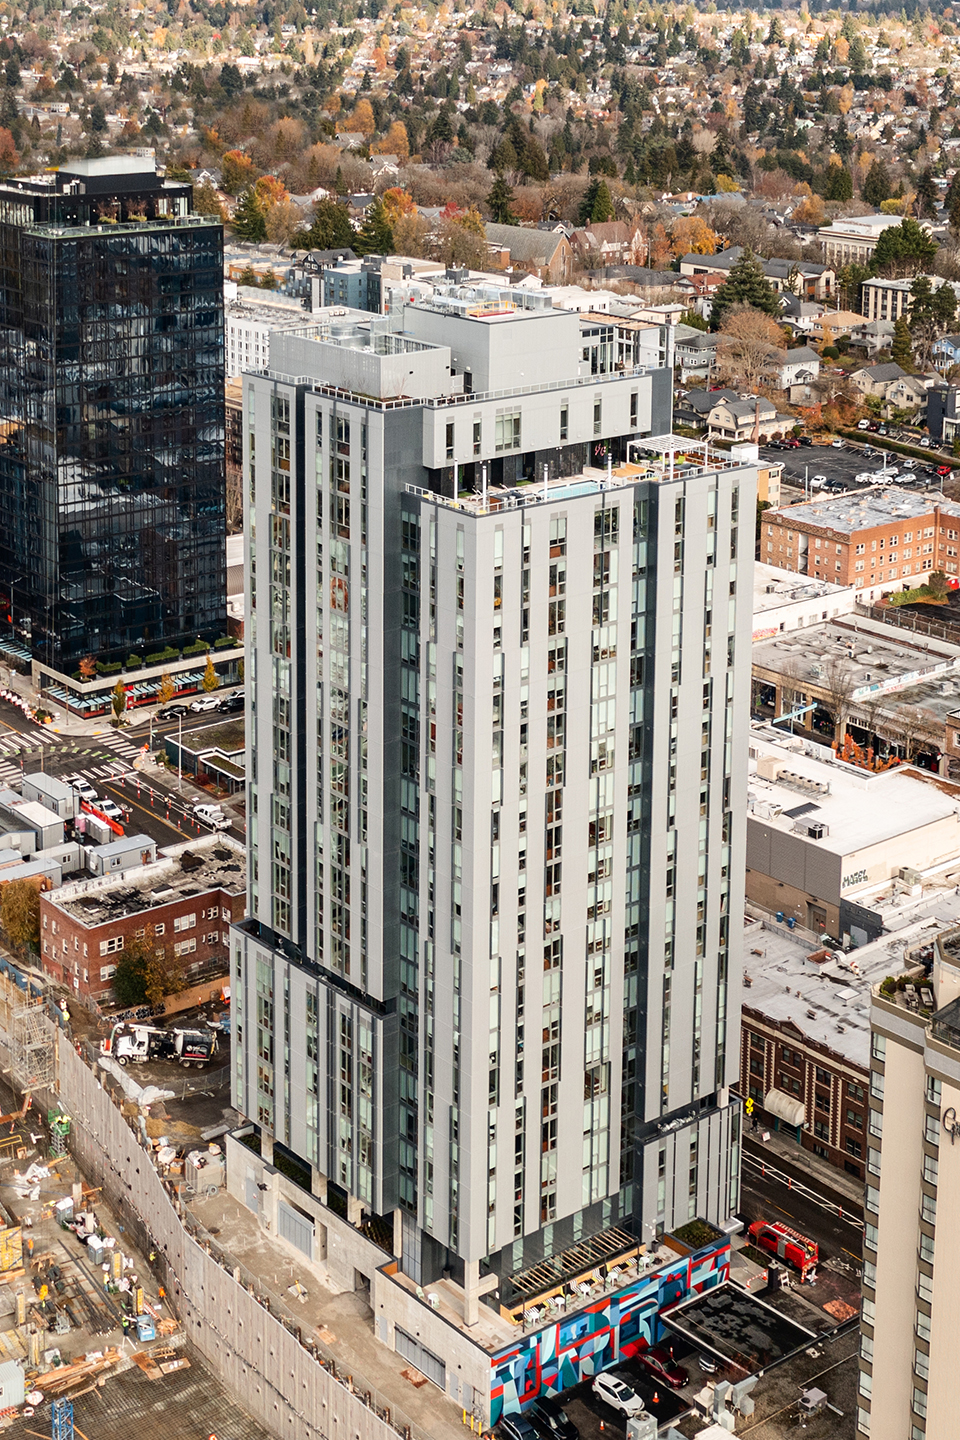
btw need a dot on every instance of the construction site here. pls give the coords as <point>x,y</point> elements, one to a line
<point>89,1341</point>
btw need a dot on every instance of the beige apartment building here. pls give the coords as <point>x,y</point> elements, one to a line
<point>875,540</point>
<point>911,1275</point>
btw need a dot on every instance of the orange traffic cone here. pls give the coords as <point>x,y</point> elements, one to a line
<point>656,1398</point>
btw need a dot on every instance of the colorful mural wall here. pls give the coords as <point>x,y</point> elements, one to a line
<point>609,1328</point>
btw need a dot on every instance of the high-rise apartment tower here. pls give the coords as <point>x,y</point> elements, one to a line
<point>499,686</point>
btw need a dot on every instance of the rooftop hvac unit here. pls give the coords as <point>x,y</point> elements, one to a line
<point>816,831</point>
<point>909,876</point>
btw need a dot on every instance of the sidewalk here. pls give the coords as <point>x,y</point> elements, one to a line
<point>809,1168</point>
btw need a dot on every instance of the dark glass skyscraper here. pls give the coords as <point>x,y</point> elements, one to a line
<point>112,490</point>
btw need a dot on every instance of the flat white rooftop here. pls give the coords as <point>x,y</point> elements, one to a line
<point>774,588</point>
<point>829,1000</point>
<point>866,509</point>
<point>858,808</point>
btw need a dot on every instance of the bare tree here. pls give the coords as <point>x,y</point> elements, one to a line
<point>749,341</point>
<point>838,684</point>
<point>919,730</point>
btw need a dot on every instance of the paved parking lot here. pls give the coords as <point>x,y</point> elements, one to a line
<point>842,465</point>
<point>595,1420</point>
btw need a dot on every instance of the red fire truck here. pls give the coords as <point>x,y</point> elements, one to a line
<point>786,1244</point>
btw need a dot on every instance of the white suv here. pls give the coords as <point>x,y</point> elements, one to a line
<point>618,1394</point>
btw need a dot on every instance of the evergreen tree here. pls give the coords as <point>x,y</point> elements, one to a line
<point>901,350</point>
<point>837,183</point>
<point>904,249</point>
<point>876,187</point>
<point>500,201</point>
<point>596,205</point>
<point>928,197</point>
<point>503,156</point>
<point>249,220</point>
<point>375,236</point>
<point>745,284</point>
<point>330,229</point>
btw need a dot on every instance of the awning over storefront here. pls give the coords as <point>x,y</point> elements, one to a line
<point>785,1107</point>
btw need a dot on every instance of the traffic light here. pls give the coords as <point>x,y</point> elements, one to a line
<point>749,1105</point>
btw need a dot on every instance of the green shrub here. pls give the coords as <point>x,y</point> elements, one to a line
<point>170,652</point>
<point>223,642</point>
<point>198,648</point>
<point>134,662</point>
<point>108,667</point>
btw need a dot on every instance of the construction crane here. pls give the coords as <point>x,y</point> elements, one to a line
<point>61,1420</point>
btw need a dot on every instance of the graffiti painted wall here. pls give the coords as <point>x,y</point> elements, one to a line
<point>610,1328</point>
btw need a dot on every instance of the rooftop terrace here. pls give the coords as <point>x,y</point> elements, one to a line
<point>666,462</point>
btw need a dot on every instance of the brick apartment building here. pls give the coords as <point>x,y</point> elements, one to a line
<point>809,1089</point>
<point>874,540</point>
<point>189,896</point>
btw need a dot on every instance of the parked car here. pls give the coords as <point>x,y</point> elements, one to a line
<point>550,1421</point>
<point>805,440</point>
<point>791,444</point>
<point>231,705</point>
<point>110,808</point>
<point>660,1364</point>
<point>516,1427</point>
<point>173,712</point>
<point>615,1391</point>
<point>84,789</point>
<point>213,816</point>
<point>863,424</point>
<point>944,470</point>
<point>708,1364</point>
<point>818,482</point>
<point>206,702</point>
<point>909,463</point>
<point>873,426</point>
<point>836,444</point>
<point>924,442</point>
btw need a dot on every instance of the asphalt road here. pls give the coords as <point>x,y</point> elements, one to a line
<point>765,1198</point>
<point>105,758</point>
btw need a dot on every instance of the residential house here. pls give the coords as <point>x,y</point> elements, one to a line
<point>825,329</point>
<point>907,393</point>
<point>946,352</point>
<point>874,336</point>
<point>692,408</point>
<point>613,242</point>
<point>794,370</point>
<point>876,380</point>
<point>943,413</point>
<point>802,278</point>
<point>754,419</point>
<point>701,290</point>
<point>695,353</point>
<point>358,205</point>
<point>545,253</point>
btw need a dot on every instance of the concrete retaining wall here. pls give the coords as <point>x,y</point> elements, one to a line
<point>271,1374</point>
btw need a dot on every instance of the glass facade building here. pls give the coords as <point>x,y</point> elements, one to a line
<point>112,470</point>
